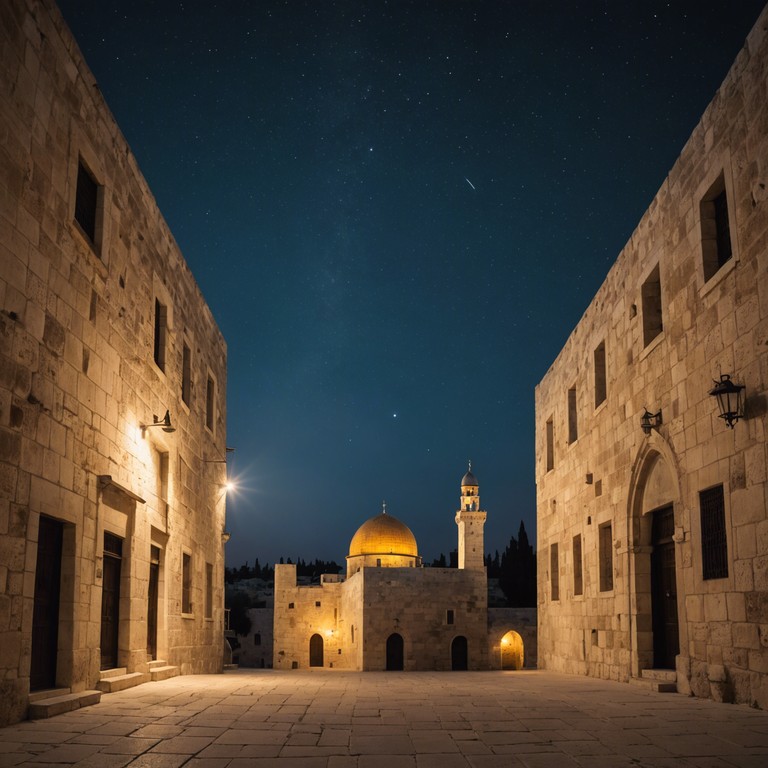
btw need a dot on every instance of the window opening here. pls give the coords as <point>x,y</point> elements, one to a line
<point>161,333</point>
<point>573,426</point>
<point>716,245</point>
<point>554,572</point>
<point>653,323</point>
<point>186,583</point>
<point>550,445</point>
<point>714,543</point>
<point>186,374</point>
<point>578,581</point>
<point>86,202</point>
<point>601,391</point>
<point>210,393</point>
<point>606,557</point>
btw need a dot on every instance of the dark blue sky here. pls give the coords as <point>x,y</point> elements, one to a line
<point>397,212</point>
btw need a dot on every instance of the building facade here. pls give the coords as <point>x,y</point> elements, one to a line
<point>392,613</point>
<point>652,524</point>
<point>112,382</point>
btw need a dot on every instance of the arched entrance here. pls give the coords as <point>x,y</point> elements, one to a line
<point>316,651</point>
<point>395,652</point>
<point>459,653</point>
<point>512,651</point>
<point>653,594</point>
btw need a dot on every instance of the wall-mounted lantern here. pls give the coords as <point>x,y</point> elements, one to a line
<point>649,421</point>
<point>730,399</point>
<point>164,423</point>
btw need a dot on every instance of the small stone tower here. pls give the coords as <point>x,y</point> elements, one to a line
<point>470,520</point>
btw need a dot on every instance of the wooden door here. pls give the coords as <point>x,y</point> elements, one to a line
<point>45,612</point>
<point>110,600</point>
<point>316,651</point>
<point>152,597</point>
<point>666,639</point>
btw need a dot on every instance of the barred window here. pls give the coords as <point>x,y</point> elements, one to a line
<point>714,543</point>
<point>554,572</point>
<point>606,557</point>
<point>578,581</point>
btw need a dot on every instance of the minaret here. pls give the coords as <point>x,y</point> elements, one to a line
<point>470,520</point>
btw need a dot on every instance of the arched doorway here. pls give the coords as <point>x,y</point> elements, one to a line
<point>459,653</point>
<point>316,651</point>
<point>512,651</point>
<point>653,500</point>
<point>395,652</point>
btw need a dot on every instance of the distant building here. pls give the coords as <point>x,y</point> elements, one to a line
<point>112,409</point>
<point>392,613</point>
<point>652,524</point>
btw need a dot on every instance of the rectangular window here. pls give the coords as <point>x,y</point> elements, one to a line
<point>317,603</point>
<point>550,445</point>
<point>714,543</point>
<point>257,638</point>
<point>554,572</point>
<point>715,229</point>
<point>208,591</point>
<point>86,202</point>
<point>210,398</point>
<point>449,616</point>
<point>606,557</point>
<point>601,391</point>
<point>162,481</point>
<point>578,581</point>
<point>653,324</point>
<point>573,425</point>
<point>161,333</point>
<point>186,374</point>
<point>186,583</point>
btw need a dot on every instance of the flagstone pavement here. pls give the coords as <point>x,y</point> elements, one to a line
<point>333,719</point>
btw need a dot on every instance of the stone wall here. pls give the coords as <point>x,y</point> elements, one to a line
<point>86,358</point>
<point>673,314</point>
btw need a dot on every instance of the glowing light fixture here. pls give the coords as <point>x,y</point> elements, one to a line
<point>730,399</point>
<point>650,420</point>
<point>164,423</point>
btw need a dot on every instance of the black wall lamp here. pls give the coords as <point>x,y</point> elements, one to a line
<point>730,399</point>
<point>164,423</point>
<point>649,421</point>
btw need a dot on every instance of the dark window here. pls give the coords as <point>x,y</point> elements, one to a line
<point>449,616</point>
<point>715,229</point>
<point>161,332</point>
<point>210,396</point>
<point>317,603</point>
<point>208,591</point>
<point>653,323</point>
<point>86,201</point>
<point>578,582</point>
<point>714,543</point>
<point>550,445</point>
<point>554,572</point>
<point>573,425</point>
<point>186,374</point>
<point>257,638</point>
<point>290,605</point>
<point>601,390</point>
<point>606,557</point>
<point>186,583</point>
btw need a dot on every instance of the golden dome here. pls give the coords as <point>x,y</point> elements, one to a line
<point>383,535</point>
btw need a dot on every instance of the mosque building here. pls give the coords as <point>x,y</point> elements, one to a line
<point>390,612</point>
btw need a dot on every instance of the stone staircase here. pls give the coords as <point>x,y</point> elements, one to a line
<point>659,680</point>
<point>55,701</point>
<point>118,679</point>
<point>159,670</point>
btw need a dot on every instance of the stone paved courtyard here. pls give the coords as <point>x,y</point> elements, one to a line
<point>325,719</point>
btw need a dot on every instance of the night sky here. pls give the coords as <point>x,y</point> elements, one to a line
<point>397,212</point>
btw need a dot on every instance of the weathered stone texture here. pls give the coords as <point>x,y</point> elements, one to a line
<point>713,321</point>
<point>78,378</point>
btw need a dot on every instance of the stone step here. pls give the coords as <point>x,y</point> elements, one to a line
<point>662,675</point>
<point>105,674</point>
<point>48,693</point>
<point>163,673</point>
<point>121,682</point>
<point>157,663</point>
<point>653,685</point>
<point>230,666</point>
<point>56,705</point>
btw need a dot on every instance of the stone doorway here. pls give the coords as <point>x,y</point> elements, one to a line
<point>153,594</point>
<point>395,652</point>
<point>110,600</point>
<point>316,651</point>
<point>45,613</point>
<point>459,653</point>
<point>512,651</point>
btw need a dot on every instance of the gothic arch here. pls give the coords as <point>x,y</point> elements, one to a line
<point>654,486</point>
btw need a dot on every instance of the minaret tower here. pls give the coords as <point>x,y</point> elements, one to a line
<point>470,520</point>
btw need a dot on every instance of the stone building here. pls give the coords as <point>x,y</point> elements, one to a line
<point>392,613</point>
<point>652,525</point>
<point>112,410</point>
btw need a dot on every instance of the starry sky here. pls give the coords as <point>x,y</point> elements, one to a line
<point>397,212</point>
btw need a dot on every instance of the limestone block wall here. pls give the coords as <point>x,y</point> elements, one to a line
<point>300,613</point>
<point>102,326</point>
<point>414,602</point>
<point>673,314</point>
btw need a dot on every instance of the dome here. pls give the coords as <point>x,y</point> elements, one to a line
<point>383,535</point>
<point>469,479</point>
